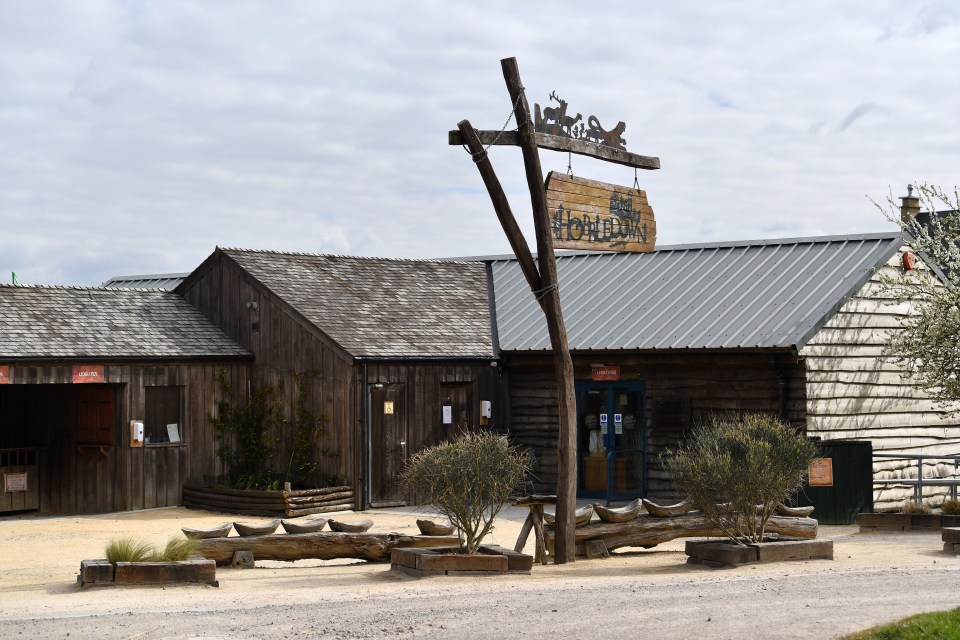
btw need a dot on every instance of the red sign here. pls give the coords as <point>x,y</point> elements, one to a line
<point>4,374</point>
<point>606,373</point>
<point>84,373</point>
<point>821,472</point>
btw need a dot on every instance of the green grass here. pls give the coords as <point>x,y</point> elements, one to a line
<point>941,625</point>
<point>132,550</point>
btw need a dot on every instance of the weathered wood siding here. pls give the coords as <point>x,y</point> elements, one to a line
<point>39,409</point>
<point>856,390</point>
<point>285,346</point>
<point>423,389</point>
<point>680,389</point>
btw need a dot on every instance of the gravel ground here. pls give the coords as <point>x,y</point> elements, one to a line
<point>874,578</point>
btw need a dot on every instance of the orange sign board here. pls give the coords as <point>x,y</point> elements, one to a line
<point>587,214</point>
<point>4,374</point>
<point>821,472</point>
<point>86,373</point>
<point>606,373</point>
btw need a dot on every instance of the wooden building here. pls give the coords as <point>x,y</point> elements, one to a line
<point>402,349</point>
<point>78,366</point>
<point>796,328</point>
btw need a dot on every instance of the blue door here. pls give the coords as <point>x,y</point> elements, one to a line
<point>611,440</point>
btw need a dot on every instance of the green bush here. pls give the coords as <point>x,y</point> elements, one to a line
<point>129,549</point>
<point>737,468</point>
<point>468,480</point>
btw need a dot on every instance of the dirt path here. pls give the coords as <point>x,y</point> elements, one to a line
<point>874,578</point>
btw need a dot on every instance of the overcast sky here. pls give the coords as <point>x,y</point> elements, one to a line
<point>135,137</point>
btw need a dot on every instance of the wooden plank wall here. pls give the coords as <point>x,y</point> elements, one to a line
<point>39,409</point>
<point>428,385</point>
<point>680,389</point>
<point>284,346</point>
<point>854,390</point>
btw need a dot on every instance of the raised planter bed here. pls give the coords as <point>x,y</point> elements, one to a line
<point>489,560</point>
<point>277,504</point>
<point>880,522</point>
<point>723,553</point>
<point>951,539</point>
<point>102,573</point>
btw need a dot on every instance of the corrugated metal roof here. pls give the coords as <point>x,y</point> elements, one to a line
<point>736,295</point>
<point>382,307</point>
<point>165,281</point>
<point>41,322</point>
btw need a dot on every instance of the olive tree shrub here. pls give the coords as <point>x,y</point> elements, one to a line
<point>737,468</point>
<point>468,480</point>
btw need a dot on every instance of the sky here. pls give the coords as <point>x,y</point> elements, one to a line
<point>136,137</point>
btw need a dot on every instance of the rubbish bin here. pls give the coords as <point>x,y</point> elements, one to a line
<point>841,482</point>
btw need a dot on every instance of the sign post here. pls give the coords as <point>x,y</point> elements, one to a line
<point>554,129</point>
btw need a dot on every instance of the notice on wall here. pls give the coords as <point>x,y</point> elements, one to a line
<point>14,482</point>
<point>173,432</point>
<point>821,472</point>
<point>4,374</point>
<point>447,414</point>
<point>606,373</point>
<point>87,373</point>
<point>388,407</point>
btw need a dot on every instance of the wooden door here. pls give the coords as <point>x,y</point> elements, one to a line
<point>389,444</point>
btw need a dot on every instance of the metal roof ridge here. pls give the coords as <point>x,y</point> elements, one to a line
<point>78,287</point>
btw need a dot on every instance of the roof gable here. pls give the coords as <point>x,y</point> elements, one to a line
<point>41,322</point>
<point>748,295</point>
<point>380,307</point>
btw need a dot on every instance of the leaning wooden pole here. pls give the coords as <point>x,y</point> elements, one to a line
<point>549,298</point>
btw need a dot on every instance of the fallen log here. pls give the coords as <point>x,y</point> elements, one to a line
<point>324,545</point>
<point>649,531</point>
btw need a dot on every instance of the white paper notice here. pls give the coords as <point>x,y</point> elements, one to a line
<point>173,431</point>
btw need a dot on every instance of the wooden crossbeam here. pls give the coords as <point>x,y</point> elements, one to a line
<point>558,143</point>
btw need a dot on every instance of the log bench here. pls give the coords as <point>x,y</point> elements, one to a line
<point>648,531</point>
<point>322,545</point>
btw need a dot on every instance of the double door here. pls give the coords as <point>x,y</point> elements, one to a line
<point>611,440</point>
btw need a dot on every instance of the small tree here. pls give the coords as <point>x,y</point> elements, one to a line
<point>737,468</point>
<point>926,343</point>
<point>468,480</point>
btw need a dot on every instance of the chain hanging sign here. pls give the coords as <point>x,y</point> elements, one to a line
<point>597,216</point>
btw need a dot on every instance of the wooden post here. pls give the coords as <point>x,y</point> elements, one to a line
<point>549,298</point>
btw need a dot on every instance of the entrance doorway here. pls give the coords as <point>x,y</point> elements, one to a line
<point>611,440</point>
<point>389,442</point>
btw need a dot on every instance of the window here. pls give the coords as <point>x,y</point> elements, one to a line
<point>162,422</point>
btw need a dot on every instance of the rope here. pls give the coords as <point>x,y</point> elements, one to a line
<point>481,155</point>
<point>540,293</point>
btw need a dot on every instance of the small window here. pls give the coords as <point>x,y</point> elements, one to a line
<point>162,422</point>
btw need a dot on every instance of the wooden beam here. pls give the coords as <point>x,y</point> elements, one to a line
<point>558,143</point>
<point>549,299</point>
<point>502,206</point>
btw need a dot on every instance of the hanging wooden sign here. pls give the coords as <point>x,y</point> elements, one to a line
<point>587,214</point>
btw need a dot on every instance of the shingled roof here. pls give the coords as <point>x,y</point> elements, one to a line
<point>381,307</point>
<point>40,322</point>
<point>764,294</point>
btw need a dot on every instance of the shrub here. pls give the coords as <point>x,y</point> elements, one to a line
<point>950,507</point>
<point>468,480</point>
<point>914,506</point>
<point>129,549</point>
<point>737,468</point>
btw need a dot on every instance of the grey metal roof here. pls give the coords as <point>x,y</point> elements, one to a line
<point>732,295</point>
<point>42,322</point>
<point>165,281</point>
<point>381,307</point>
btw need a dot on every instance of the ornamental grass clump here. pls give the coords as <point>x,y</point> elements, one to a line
<point>917,507</point>
<point>468,480</point>
<point>738,468</point>
<point>950,507</point>
<point>130,549</point>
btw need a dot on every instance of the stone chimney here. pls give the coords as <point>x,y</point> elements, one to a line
<point>909,206</point>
